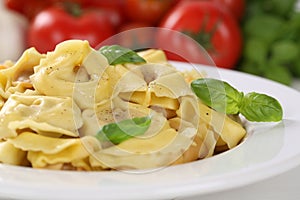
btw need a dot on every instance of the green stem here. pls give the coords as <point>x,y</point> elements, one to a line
<point>73,8</point>
<point>204,37</point>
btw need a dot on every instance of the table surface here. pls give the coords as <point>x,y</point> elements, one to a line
<point>285,186</point>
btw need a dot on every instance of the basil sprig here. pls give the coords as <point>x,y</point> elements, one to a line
<point>123,130</point>
<point>218,94</point>
<point>222,97</point>
<point>116,54</point>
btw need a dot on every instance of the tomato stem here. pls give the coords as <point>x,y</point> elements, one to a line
<point>73,8</point>
<point>203,36</point>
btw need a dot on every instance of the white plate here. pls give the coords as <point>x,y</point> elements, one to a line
<point>269,149</point>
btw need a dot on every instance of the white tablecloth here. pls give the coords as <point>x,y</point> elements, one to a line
<point>285,186</point>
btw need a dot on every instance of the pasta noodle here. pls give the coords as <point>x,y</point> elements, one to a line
<point>15,78</point>
<point>42,114</point>
<point>53,105</point>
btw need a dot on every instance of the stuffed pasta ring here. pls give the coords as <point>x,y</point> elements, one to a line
<point>160,91</point>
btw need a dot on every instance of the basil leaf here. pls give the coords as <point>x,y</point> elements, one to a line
<point>218,95</point>
<point>261,108</point>
<point>123,130</point>
<point>222,97</point>
<point>116,54</point>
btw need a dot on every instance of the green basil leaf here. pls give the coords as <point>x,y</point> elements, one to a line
<point>123,130</point>
<point>261,108</point>
<point>218,95</point>
<point>116,54</point>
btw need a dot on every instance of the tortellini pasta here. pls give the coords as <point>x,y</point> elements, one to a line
<point>54,104</point>
<point>43,114</point>
<point>15,78</point>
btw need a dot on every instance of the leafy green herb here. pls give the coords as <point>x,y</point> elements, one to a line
<point>271,31</point>
<point>222,97</point>
<point>260,107</point>
<point>218,94</point>
<point>116,54</point>
<point>123,130</point>
<point>279,73</point>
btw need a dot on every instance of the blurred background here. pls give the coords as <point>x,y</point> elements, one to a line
<point>259,37</point>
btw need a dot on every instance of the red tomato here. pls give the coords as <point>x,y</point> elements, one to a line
<point>29,8</point>
<point>55,25</point>
<point>136,35</point>
<point>210,26</point>
<point>236,7</point>
<point>147,11</point>
<point>114,5</point>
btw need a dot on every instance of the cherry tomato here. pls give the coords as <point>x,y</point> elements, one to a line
<point>208,24</point>
<point>54,25</point>
<point>31,8</point>
<point>146,11</point>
